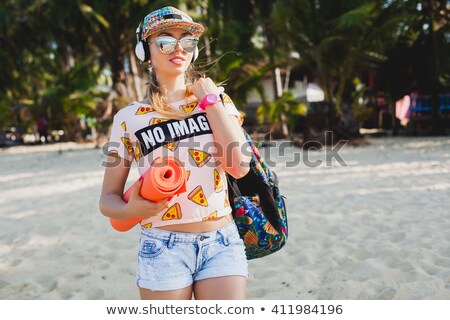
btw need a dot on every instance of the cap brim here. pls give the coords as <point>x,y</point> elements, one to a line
<point>195,28</point>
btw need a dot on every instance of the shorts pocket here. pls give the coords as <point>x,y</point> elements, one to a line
<point>151,248</point>
<point>235,240</point>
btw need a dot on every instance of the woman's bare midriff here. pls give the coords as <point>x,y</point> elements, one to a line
<point>201,226</point>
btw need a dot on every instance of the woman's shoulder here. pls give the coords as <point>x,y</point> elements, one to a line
<point>135,108</point>
<point>226,98</point>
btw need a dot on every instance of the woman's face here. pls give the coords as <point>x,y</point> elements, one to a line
<point>170,64</point>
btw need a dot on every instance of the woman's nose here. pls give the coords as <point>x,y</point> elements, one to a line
<point>178,47</point>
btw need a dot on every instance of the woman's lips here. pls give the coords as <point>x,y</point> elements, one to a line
<point>177,60</point>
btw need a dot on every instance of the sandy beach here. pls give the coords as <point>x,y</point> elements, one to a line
<point>375,228</point>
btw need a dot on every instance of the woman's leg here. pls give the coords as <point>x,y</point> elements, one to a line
<point>221,288</point>
<point>180,294</point>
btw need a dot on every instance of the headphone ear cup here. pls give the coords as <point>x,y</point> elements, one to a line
<point>139,51</point>
<point>195,54</point>
<point>142,51</point>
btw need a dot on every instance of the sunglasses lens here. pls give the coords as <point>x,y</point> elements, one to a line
<point>166,44</point>
<point>189,44</point>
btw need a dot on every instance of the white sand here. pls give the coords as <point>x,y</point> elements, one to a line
<point>375,229</point>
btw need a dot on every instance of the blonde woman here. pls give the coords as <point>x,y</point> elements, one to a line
<point>189,245</point>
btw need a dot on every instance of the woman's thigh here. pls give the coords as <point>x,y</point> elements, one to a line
<point>221,288</point>
<point>179,294</point>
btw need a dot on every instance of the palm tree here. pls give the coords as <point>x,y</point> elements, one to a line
<point>64,35</point>
<point>231,26</point>
<point>335,39</point>
<point>247,39</point>
<point>419,60</point>
<point>111,26</point>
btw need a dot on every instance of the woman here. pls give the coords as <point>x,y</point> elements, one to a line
<point>197,249</point>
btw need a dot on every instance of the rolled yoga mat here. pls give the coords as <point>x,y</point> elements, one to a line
<point>166,177</point>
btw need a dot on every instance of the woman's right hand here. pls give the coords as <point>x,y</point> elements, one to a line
<point>137,206</point>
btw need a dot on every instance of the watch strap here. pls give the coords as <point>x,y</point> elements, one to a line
<point>203,104</point>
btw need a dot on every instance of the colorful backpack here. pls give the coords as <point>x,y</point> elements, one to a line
<point>258,207</point>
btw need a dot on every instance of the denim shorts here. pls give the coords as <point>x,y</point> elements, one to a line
<point>174,260</point>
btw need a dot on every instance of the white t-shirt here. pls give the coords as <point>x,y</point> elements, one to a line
<point>141,133</point>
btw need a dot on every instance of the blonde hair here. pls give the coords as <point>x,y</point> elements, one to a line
<point>157,96</point>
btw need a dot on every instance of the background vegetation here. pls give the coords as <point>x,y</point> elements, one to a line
<point>73,61</point>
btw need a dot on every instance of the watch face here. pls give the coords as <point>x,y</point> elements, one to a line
<point>211,98</point>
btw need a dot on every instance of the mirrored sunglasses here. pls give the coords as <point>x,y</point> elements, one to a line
<point>167,44</point>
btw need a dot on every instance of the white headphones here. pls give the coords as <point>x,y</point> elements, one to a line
<point>142,49</point>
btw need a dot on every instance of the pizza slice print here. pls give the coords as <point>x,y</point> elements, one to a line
<point>144,110</point>
<point>173,213</point>
<point>218,185</point>
<point>227,201</point>
<point>188,108</point>
<point>172,145</point>
<point>199,157</point>
<point>198,196</point>
<point>212,216</point>
<point>147,226</point>
<point>128,145</point>
<point>227,99</point>
<point>157,120</point>
<point>124,126</point>
<point>137,152</point>
<point>188,174</point>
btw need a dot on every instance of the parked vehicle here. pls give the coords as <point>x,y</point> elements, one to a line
<point>10,136</point>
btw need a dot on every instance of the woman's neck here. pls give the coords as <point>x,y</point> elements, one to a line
<point>174,86</point>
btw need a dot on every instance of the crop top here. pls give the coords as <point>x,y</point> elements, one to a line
<point>191,141</point>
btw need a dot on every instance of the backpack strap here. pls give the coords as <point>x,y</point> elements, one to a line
<point>232,183</point>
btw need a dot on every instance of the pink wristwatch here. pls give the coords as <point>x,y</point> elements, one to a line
<point>208,100</point>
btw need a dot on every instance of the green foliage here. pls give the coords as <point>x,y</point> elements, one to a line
<point>54,53</point>
<point>230,27</point>
<point>72,93</point>
<point>286,107</point>
<point>6,114</point>
<point>336,39</point>
<point>360,102</point>
<point>419,60</point>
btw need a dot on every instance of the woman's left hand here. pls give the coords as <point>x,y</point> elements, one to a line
<point>204,86</point>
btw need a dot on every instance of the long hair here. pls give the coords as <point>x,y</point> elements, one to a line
<point>157,96</point>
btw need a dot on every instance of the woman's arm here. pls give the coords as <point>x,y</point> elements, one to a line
<point>232,142</point>
<point>226,131</point>
<point>111,203</point>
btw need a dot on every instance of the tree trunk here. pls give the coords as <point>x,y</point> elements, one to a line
<point>136,81</point>
<point>67,56</point>
<point>393,117</point>
<point>287,78</point>
<point>266,13</point>
<point>437,126</point>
